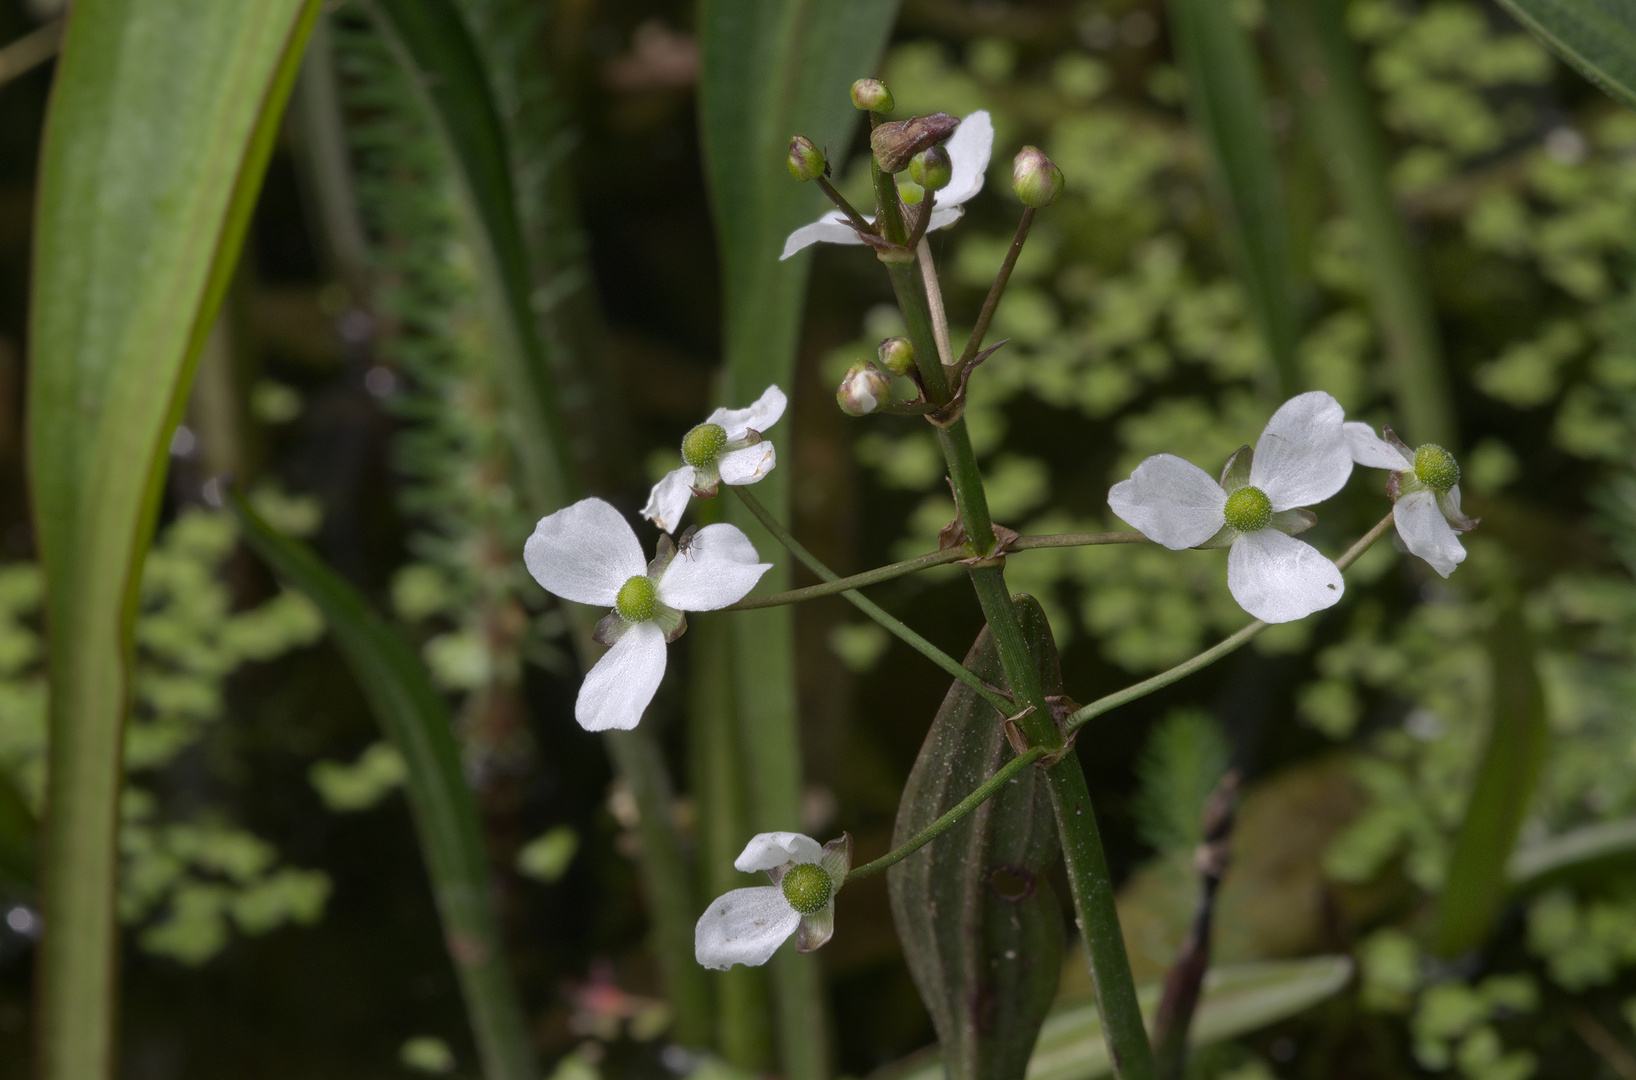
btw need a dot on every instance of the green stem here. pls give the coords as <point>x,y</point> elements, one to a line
<point>995,291</point>
<point>934,300</point>
<point>858,221</point>
<point>873,610</point>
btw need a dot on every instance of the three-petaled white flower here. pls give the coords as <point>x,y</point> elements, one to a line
<point>1300,459</point>
<point>588,553</point>
<point>969,149</point>
<point>726,449</point>
<point>747,926</point>
<point>1425,491</point>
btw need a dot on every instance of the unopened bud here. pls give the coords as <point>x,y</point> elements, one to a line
<point>871,95</point>
<point>931,168</point>
<point>806,161</point>
<point>1035,177</point>
<point>897,355</point>
<point>863,389</point>
<point>896,142</point>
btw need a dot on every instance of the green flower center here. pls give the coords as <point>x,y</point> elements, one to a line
<point>703,445</point>
<point>807,887</point>
<point>1248,509</point>
<point>637,600</point>
<point>1436,468</point>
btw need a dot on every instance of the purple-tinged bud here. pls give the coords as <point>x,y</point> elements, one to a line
<point>895,142</point>
<point>1035,178</point>
<point>871,95</point>
<point>897,355</point>
<point>806,161</point>
<point>931,168</point>
<point>863,389</point>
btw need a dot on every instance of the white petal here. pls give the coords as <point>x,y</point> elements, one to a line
<point>832,228</point>
<point>969,149</point>
<point>620,685</point>
<point>744,927</point>
<point>1278,578</point>
<point>1301,457</point>
<point>718,568</point>
<point>584,552</point>
<point>1427,533</point>
<point>761,416</point>
<point>1371,450</point>
<point>668,499</point>
<point>944,216</point>
<point>1170,500</point>
<point>769,849</point>
<point>748,465</point>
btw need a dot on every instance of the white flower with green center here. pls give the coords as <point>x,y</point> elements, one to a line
<point>970,148</point>
<point>725,449</point>
<point>1254,509</point>
<point>747,926</point>
<point>1425,491</point>
<point>589,554</point>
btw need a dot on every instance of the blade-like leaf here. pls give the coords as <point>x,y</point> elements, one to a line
<point>980,924</point>
<point>1226,100</point>
<point>1577,853</point>
<point>1598,37</point>
<point>161,121</point>
<point>415,717</point>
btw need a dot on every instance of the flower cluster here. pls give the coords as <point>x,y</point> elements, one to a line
<point>747,926</point>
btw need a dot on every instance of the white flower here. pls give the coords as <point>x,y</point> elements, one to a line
<point>1425,491</point>
<point>727,448</point>
<point>1300,459</point>
<point>969,150</point>
<point>588,553</point>
<point>748,925</point>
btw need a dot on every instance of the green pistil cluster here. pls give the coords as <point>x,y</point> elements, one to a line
<point>638,599</point>
<point>807,887</point>
<point>703,446</point>
<point>1436,468</point>
<point>1248,509</point>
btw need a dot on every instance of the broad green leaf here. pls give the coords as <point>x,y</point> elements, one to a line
<point>1226,100</point>
<point>1475,889</point>
<point>980,925</point>
<point>1577,853</point>
<point>162,118</point>
<point>414,716</point>
<point>773,69</point>
<point>1598,37</point>
<point>1238,999</point>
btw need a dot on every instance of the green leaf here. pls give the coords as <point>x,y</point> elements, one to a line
<point>980,925</point>
<point>1226,101</point>
<point>1475,888</point>
<point>413,715</point>
<point>1598,37</point>
<point>162,118</point>
<point>1578,853</point>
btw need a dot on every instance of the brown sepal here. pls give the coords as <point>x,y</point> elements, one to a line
<point>896,141</point>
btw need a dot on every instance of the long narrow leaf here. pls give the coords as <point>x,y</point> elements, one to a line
<point>1596,36</point>
<point>414,716</point>
<point>161,122</point>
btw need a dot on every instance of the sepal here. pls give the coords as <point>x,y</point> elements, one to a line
<point>1236,473</point>
<point>1290,522</point>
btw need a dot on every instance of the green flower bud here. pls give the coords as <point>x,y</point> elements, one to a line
<point>702,447</point>
<point>896,142</point>
<point>1035,178</point>
<point>807,887</point>
<point>931,168</point>
<point>1248,509</point>
<point>897,355</point>
<point>806,161</point>
<point>638,599</point>
<point>871,95</point>
<point>1436,468</point>
<point>863,389</point>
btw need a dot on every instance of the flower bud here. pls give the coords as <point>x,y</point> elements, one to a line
<point>1035,178</point>
<point>871,95</point>
<point>806,161</point>
<point>863,389</point>
<point>896,142</point>
<point>897,355</point>
<point>931,168</point>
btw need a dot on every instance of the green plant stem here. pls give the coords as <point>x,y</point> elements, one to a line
<point>995,291</point>
<point>934,300</point>
<point>926,561</point>
<point>873,610</point>
<point>858,221</point>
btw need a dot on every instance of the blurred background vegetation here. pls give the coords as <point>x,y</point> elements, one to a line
<point>279,921</point>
